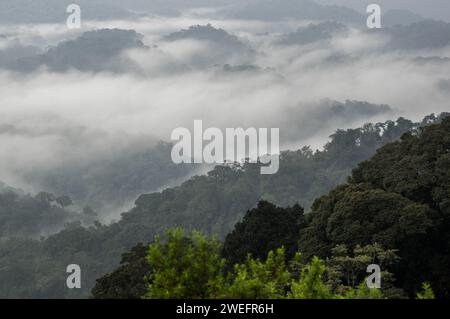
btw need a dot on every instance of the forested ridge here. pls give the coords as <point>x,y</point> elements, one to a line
<point>393,211</point>
<point>213,204</point>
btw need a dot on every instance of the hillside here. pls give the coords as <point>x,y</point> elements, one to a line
<point>394,210</point>
<point>399,198</point>
<point>213,203</point>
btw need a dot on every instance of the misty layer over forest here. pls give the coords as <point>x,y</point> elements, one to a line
<point>86,115</point>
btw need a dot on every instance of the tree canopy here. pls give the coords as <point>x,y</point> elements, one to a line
<point>399,198</point>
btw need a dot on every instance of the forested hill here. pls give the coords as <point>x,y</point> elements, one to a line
<point>393,211</point>
<point>24,215</point>
<point>217,201</point>
<point>213,203</point>
<point>98,190</point>
<point>400,198</point>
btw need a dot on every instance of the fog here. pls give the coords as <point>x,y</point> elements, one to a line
<point>434,9</point>
<point>149,83</point>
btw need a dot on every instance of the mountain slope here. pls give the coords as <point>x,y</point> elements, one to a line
<point>399,199</point>
<point>213,203</point>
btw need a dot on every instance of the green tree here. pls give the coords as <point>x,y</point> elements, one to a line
<point>363,292</point>
<point>346,270</point>
<point>185,266</point>
<point>400,199</point>
<point>426,293</point>
<point>127,281</point>
<point>257,279</point>
<point>188,265</point>
<point>264,228</point>
<point>311,284</point>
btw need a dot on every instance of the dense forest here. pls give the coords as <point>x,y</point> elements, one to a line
<point>393,211</point>
<point>191,266</point>
<point>92,94</point>
<point>216,202</point>
<point>113,181</point>
<point>23,215</point>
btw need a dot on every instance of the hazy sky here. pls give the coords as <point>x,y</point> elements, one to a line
<point>436,9</point>
<point>51,118</point>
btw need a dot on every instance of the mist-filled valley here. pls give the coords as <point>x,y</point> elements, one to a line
<point>86,117</point>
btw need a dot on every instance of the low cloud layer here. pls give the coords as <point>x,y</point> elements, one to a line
<point>232,73</point>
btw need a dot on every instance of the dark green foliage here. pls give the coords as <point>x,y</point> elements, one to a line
<point>178,262</point>
<point>215,203</point>
<point>185,266</point>
<point>190,267</point>
<point>347,269</point>
<point>22,215</point>
<point>399,198</point>
<point>263,229</point>
<point>127,281</point>
<point>357,214</point>
<point>37,268</point>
